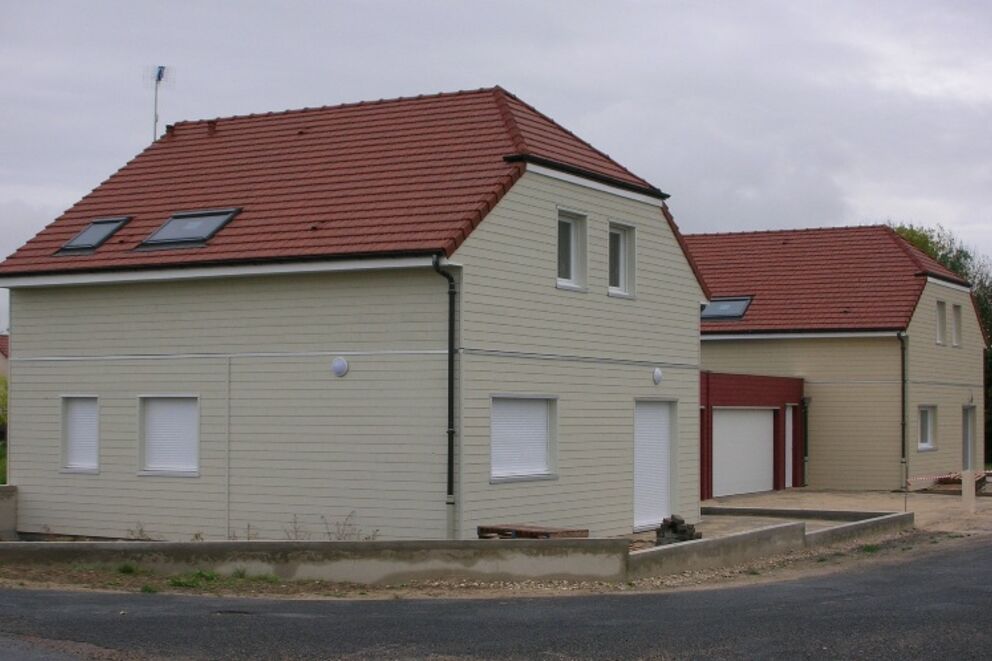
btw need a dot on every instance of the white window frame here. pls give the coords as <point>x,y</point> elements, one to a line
<point>956,321</point>
<point>577,222</point>
<point>628,252</point>
<point>142,443</point>
<point>64,433</point>
<point>941,322</point>
<point>551,469</point>
<point>929,443</point>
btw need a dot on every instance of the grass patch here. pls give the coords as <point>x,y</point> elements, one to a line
<point>870,548</point>
<point>149,589</point>
<point>752,572</point>
<point>264,578</point>
<point>127,568</point>
<point>197,579</point>
<point>240,572</point>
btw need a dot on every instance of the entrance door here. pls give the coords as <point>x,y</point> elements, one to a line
<point>968,439</point>
<point>743,451</point>
<point>652,463</point>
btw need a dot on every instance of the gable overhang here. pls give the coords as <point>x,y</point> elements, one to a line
<point>800,335</point>
<point>173,274</point>
<point>946,283</point>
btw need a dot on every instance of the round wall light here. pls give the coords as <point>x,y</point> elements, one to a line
<point>339,366</point>
<point>657,375</point>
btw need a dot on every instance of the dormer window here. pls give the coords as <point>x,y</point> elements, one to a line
<point>726,308</point>
<point>95,235</point>
<point>189,228</point>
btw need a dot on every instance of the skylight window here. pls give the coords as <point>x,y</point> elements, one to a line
<point>190,228</point>
<point>95,234</point>
<point>726,308</point>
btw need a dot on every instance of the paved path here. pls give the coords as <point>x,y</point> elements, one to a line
<point>936,606</point>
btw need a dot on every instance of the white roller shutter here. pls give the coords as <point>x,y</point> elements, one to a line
<point>521,437</point>
<point>81,430</point>
<point>743,451</point>
<point>652,463</point>
<point>171,433</point>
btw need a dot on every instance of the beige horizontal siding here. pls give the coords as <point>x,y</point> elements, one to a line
<point>303,443</point>
<point>595,443</point>
<point>854,390</point>
<point>946,376</point>
<point>513,309</point>
<point>510,296</point>
<point>321,312</point>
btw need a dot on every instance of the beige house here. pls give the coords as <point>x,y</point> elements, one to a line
<point>4,354</point>
<point>249,331</point>
<point>887,340</point>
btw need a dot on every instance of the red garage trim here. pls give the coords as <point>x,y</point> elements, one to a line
<point>773,392</point>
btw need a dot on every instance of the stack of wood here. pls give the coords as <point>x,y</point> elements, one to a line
<point>674,529</point>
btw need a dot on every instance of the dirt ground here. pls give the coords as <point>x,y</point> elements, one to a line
<point>941,522</point>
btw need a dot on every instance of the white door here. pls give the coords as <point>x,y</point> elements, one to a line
<point>968,439</point>
<point>743,451</point>
<point>652,463</point>
<point>789,445</point>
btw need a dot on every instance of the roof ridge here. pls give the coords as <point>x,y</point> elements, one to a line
<point>915,255</point>
<point>795,230</point>
<point>509,121</point>
<point>565,130</point>
<point>906,248</point>
<point>348,104</point>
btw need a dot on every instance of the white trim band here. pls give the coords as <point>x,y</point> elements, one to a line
<point>594,185</point>
<point>195,273</point>
<point>949,285</point>
<point>796,336</point>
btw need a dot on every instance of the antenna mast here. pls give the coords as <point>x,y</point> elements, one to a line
<point>159,77</point>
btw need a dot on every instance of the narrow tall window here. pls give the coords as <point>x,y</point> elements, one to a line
<point>170,428</point>
<point>621,259</point>
<point>956,325</point>
<point>571,250</point>
<point>521,437</point>
<point>80,434</point>
<point>941,322</point>
<point>928,426</point>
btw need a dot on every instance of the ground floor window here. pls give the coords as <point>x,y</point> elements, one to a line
<point>928,426</point>
<point>80,434</point>
<point>170,434</point>
<point>521,437</point>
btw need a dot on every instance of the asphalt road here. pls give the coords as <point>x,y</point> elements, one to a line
<point>936,606</point>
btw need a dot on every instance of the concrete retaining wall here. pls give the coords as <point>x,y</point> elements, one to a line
<point>352,562</point>
<point>717,552</point>
<point>884,523</point>
<point>797,513</point>
<point>607,560</point>
<point>8,512</point>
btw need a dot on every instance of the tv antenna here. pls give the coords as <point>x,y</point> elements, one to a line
<point>158,77</point>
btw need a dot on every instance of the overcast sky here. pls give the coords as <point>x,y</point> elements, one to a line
<point>750,114</point>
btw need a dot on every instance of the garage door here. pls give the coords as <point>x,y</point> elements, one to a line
<point>743,451</point>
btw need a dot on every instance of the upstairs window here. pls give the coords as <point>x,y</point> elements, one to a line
<point>941,322</point>
<point>726,308</point>
<point>95,234</point>
<point>621,260</point>
<point>956,325</point>
<point>571,250</point>
<point>192,228</point>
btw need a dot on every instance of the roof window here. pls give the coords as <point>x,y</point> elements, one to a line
<point>95,234</point>
<point>726,308</point>
<point>191,228</point>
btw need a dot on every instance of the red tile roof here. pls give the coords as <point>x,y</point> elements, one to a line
<point>833,279</point>
<point>403,176</point>
<point>5,346</point>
